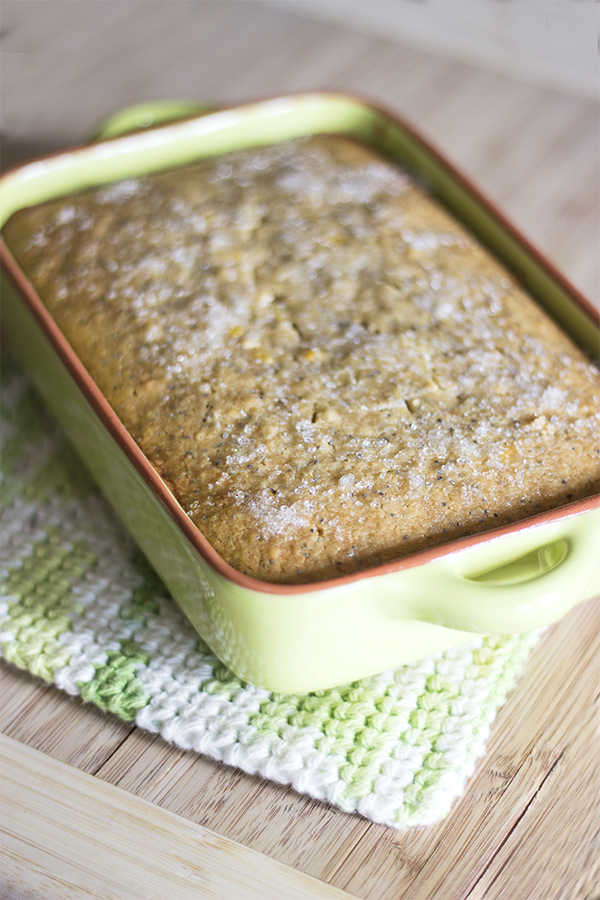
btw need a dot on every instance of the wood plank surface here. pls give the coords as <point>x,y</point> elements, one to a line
<point>527,826</point>
<point>490,35</point>
<point>71,835</point>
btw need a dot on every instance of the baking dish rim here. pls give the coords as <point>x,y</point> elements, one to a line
<point>156,483</point>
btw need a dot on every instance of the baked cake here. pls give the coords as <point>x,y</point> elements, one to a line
<point>326,369</point>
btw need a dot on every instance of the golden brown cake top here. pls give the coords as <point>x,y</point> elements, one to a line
<point>324,366</point>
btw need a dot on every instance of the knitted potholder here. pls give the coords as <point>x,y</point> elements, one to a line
<point>80,608</point>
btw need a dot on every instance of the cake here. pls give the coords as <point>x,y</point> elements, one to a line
<point>325,368</point>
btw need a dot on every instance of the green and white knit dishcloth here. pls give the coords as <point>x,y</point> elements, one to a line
<point>81,609</point>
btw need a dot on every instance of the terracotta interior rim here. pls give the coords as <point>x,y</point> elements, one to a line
<point>154,481</point>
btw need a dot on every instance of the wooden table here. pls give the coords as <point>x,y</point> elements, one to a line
<point>95,808</point>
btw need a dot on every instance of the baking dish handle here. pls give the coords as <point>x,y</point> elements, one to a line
<point>144,115</point>
<point>521,593</point>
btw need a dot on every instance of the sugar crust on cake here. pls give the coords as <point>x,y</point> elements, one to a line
<point>323,365</point>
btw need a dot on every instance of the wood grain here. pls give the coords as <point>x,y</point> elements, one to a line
<point>561,38</point>
<point>54,723</point>
<point>527,826</point>
<point>71,835</point>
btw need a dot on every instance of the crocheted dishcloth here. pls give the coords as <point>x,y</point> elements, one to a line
<point>81,608</point>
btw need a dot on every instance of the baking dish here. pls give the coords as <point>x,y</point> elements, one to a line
<point>305,637</point>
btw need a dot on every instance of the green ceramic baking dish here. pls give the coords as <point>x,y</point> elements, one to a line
<point>304,637</point>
